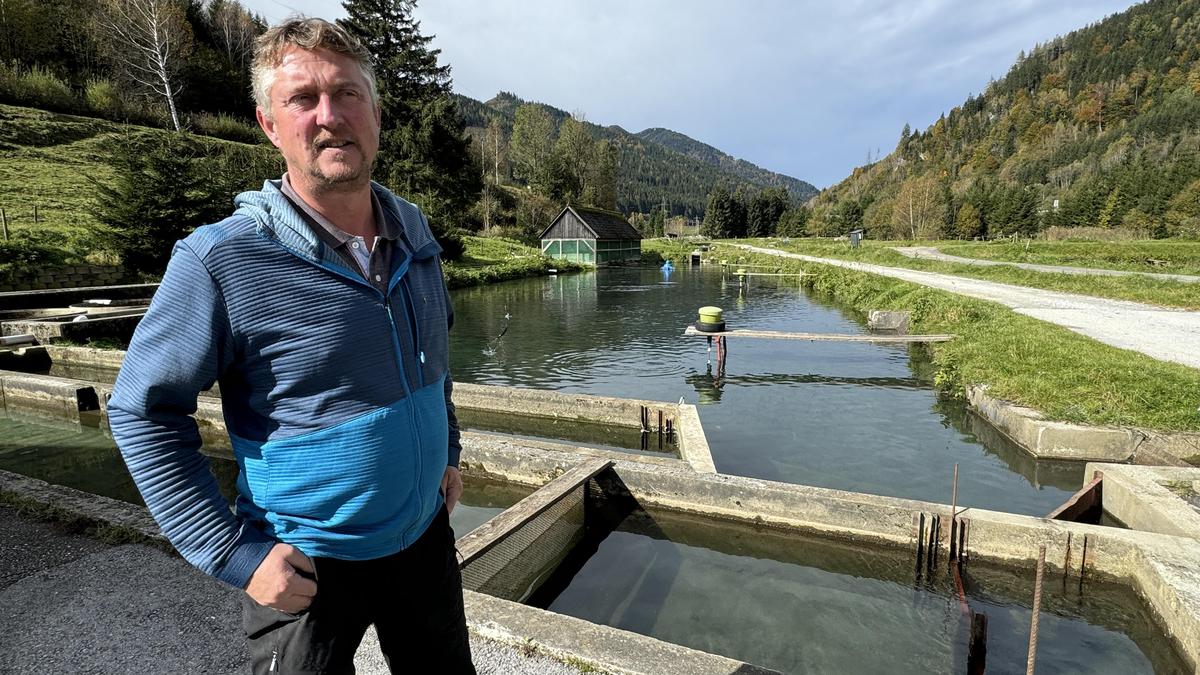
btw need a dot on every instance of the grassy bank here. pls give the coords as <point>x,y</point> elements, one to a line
<point>1135,288</point>
<point>658,251</point>
<point>489,260</point>
<point>1065,375</point>
<point>1171,257</point>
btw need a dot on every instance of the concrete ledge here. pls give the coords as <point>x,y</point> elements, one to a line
<point>576,640</point>
<point>62,297</point>
<point>84,505</point>
<point>1046,439</point>
<point>47,396</point>
<point>1142,498</point>
<point>624,412</point>
<point>1182,445</point>
<point>47,331</point>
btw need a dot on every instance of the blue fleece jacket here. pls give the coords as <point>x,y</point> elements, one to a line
<point>336,396</point>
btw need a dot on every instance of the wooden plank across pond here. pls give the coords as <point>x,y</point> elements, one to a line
<point>483,538</point>
<point>691,331</point>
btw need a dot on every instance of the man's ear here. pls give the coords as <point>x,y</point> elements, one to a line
<point>268,125</point>
<point>378,115</point>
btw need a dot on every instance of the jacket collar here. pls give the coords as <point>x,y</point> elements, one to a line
<point>278,219</point>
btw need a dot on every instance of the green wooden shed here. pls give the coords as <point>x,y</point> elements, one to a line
<point>589,235</point>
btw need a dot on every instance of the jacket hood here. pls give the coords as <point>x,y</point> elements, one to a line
<point>276,218</point>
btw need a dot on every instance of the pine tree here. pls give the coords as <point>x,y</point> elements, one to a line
<point>424,152</point>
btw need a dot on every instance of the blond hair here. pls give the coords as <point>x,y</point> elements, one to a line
<point>308,34</point>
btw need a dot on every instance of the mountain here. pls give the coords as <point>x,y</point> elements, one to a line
<point>686,145</point>
<point>1098,128</point>
<point>656,166</point>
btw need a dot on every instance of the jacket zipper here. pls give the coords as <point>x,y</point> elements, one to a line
<point>399,353</point>
<point>416,332</point>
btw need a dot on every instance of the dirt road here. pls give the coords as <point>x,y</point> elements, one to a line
<point>1162,333</point>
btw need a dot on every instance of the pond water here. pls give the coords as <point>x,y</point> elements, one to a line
<point>851,416</point>
<point>801,604</point>
<point>85,458</point>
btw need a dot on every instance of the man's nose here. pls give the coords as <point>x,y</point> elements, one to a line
<point>327,111</point>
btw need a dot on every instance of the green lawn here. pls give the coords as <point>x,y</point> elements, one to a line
<point>1065,375</point>
<point>50,161</point>
<point>1135,288</point>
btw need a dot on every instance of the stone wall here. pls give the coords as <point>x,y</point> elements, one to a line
<point>75,276</point>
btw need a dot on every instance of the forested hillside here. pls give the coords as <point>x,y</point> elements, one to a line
<point>656,167</point>
<point>1099,128</point>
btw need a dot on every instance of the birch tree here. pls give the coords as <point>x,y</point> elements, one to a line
<point>148,40</point>
<point>234,29</point>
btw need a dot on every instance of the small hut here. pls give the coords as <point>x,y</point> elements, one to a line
<point>588,235</point>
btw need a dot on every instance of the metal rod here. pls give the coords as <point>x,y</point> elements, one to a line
<point>954,496</point>
<point>1037,606</point>
<point>977,651</point>
<point>920,543</point>
<point>1067,561</point>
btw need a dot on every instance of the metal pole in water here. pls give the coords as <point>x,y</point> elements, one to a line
<point>1037,606</point>
<point>953,514</point>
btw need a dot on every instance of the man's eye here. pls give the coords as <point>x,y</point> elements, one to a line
<point>300,99</point>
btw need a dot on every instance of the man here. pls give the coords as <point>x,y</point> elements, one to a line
<point>320,309</point>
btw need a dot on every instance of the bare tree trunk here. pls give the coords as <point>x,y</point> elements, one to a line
<point>148,39</point>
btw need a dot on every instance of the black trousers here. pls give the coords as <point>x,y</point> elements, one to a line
<point>414,598</point>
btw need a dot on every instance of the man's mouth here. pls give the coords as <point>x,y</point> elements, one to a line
<point>322,145</point>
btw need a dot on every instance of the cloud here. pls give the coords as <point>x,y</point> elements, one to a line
<point>804,88</point>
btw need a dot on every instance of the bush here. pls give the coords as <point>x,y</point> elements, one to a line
<point>225,126</point>
<point>104,99</point>
<point>24,255</point>
<point>1093,234</point>
<point>36,87</point>
<point>452,244</point>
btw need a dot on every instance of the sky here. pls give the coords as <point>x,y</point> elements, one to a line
<point>803,88</point>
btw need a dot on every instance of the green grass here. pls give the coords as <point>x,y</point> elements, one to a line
<point>1067,376</point>
<point>49,160</point>
<point>1135,288</point>
<point>54,160</point>
<point>1175,257</point>
<point>656,251</point>
<point>493,259</point>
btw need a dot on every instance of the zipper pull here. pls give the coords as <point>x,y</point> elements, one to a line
<point>274,667</point>
<point>422,357</point>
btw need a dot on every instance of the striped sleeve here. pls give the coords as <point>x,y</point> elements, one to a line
<point>179,349</point>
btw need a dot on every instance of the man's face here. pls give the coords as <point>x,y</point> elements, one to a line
<point>322,120</point>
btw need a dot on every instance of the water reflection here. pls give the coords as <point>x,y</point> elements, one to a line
<point>853,416</point>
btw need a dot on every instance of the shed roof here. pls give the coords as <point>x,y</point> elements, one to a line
<point>603,223</point>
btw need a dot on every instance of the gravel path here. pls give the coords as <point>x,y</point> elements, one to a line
<point>931,253</point>
<point>1162,333</point>
<point>72,604</point>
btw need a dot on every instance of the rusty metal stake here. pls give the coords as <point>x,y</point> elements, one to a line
<point>1037,606</point>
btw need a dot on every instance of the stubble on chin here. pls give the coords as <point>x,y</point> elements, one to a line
<point>345,178</point>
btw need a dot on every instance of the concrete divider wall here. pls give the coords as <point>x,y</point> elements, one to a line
<point>1165,570</point>
<point>624,412</point>
<point>47,331</point>
<point>1138,496</point>
<point>64,297</point>
<point>47,396</point>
